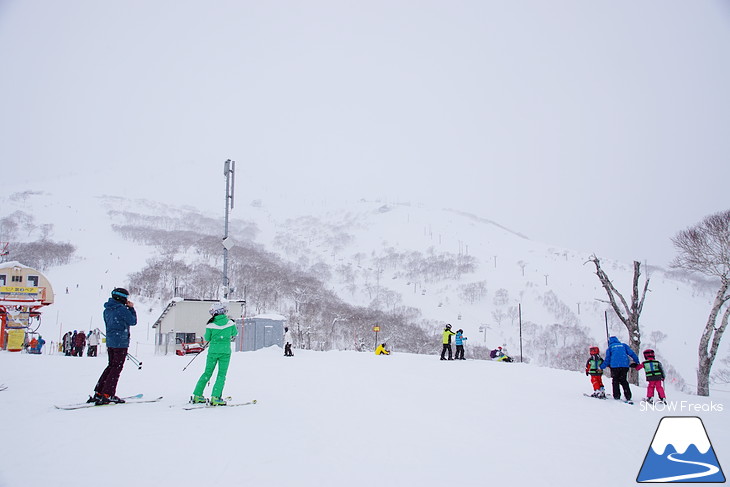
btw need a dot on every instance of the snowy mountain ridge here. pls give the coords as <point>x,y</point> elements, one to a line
<point>375,253</point>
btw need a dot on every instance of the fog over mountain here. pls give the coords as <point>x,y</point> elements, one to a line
<point>588,125</point>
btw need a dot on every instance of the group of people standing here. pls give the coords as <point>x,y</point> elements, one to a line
<point>619,357</point>
<point>459,340</point>
<point>73,344</point>
<point>120,315</point>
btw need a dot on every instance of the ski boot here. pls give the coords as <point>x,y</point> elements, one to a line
<point>113,399</point>
<point>217,401</point>
<point>649,400</point>
<point>198,399</point>
<point>601,393</point>
<point>95,398</point>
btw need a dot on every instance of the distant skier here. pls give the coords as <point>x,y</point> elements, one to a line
<point>119,315</point>
<point>654,376</point>
<point>381,350</point>
<point>446,340</point>
<point>595,372</point>
<point>459,341</point>
<point>73,343</point>
<point>94,341</point>
<point>617,358</point>
<point>67,344</point>
<point>218,333</point>
<point>79,344</point>
<point>287,343</point>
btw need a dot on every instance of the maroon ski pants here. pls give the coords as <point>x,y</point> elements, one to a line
<point>108,381</point>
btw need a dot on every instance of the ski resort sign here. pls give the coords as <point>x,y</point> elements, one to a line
<point>15,293</point>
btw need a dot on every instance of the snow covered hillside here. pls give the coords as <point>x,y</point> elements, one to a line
<point>327,419</point>
<point>384,255</point>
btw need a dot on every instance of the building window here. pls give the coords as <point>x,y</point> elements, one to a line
<point>2,279</point>
<point>33,281</point>
<point>17,279</point>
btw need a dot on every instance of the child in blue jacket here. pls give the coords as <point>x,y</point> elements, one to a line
<point>459,340</point>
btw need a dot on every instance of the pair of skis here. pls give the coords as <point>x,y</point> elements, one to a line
<point>139,399</point>
<point>136,399</point>
<point>207,405</point>
<point>606,397</point>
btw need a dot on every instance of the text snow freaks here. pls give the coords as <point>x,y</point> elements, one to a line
<point>682,407</point>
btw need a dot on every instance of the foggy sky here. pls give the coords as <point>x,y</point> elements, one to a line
<point>597,126</point>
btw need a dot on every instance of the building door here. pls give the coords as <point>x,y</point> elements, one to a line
<point>269,336</point>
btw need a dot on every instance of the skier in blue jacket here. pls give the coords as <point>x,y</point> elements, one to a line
<point>119,315</point>
<point>617,358</point>
<point>459,340</point>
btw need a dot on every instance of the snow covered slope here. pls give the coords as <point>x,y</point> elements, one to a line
<point>327,419</point>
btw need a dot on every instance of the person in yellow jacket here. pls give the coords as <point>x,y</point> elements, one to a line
<point>447,343</point>
<point>381,350</point>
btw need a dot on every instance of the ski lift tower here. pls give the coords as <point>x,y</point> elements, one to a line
<point>229,168</point>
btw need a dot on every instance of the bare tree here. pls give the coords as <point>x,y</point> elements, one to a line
<point>628,314</point>
<point>705,248</point>
<point>657,336</point>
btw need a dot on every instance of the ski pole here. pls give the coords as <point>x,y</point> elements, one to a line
<point>203,350</point>
<point>136,362</point>
<point>130,357</point>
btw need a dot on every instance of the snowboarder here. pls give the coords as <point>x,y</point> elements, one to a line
<point>594,371</point>
<point>381,350</point>
<point>119,315</point>
<point>218,333</point>
<point>287,343</point>
<point>617,358</point>
<point>446,340</point>
<point>654,376</point>
<point>459,341</point>
<point>500,355</point>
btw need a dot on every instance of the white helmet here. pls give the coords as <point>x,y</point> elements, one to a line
<point>218,309</point>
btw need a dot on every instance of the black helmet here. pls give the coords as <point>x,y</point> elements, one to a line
<point>448,327</point>
<point>120,294</point>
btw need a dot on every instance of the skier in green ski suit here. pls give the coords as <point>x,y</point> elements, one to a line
<point>218,333</point>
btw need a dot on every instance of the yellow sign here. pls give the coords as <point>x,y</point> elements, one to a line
<point>18,290</point>
<point>15,340</point>
<point>376,329</point>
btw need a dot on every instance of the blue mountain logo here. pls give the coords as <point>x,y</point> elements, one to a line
<point>681,452</point>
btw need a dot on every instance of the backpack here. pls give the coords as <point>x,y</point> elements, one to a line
<point>493,353</point>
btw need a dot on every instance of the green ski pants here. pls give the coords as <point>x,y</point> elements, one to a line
<point>220,359</point>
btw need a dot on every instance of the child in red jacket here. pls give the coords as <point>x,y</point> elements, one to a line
<point>594,370</point>
<point>654,376</point>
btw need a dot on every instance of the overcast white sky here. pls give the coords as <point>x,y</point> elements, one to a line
<point>598,126</point>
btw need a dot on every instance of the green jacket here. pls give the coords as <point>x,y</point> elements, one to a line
<point>219,331</point>
<point>447,336</point>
